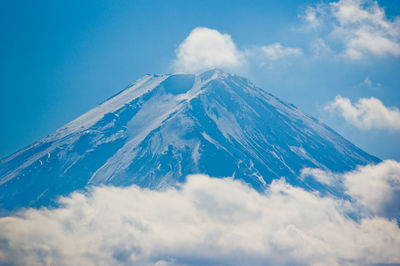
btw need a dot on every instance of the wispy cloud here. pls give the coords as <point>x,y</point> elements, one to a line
<point>277,51</point>
<point>312,16</point>
<point>206,221</point>
<point>366,113</point>
<point>323,176</point>
<point>361,26</point>
<point>370,84</point>
<point>319,47</point>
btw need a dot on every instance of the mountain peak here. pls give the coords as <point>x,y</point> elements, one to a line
<point>214,74</point>
<point>216,71</point>
<point>164,127</point>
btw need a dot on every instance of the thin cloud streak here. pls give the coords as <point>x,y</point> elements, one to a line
<point>277,51</point>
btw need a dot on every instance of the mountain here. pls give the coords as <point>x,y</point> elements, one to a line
<point>164,127</point>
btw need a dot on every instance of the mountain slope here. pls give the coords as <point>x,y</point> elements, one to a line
<point>164,127</point>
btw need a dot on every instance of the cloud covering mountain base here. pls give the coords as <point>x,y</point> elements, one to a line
<point>205,221</point>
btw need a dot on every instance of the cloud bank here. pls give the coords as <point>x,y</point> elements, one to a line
<point>360,26</point>
<point>207,221</point>
<point>366,113</point>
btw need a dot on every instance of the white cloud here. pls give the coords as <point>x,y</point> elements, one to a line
<point>319,47</point>
<point>277,51</point>
<point>366,113</point>
<point>312,16</point>
<point>361,26</point>
<point>323,176</point>
<point>206,221</point>
<point>207,48</point>
<point>375,187</point>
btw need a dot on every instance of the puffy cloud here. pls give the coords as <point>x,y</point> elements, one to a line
<point>277,51</point>
<point>375,187</point>
<point>366,113</point>
<point>361,26</point>
<point>206,221</point>
<point>207,48</point>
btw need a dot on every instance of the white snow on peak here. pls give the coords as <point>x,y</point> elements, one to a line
<point>151,115</point>
<point>139,87</point>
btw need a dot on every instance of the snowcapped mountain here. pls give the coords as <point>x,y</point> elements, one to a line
<point>164,127</point>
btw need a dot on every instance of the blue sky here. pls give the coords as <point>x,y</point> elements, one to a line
<point>60,59</point>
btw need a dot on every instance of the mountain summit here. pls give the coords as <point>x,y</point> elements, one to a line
<point>164,127</point>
